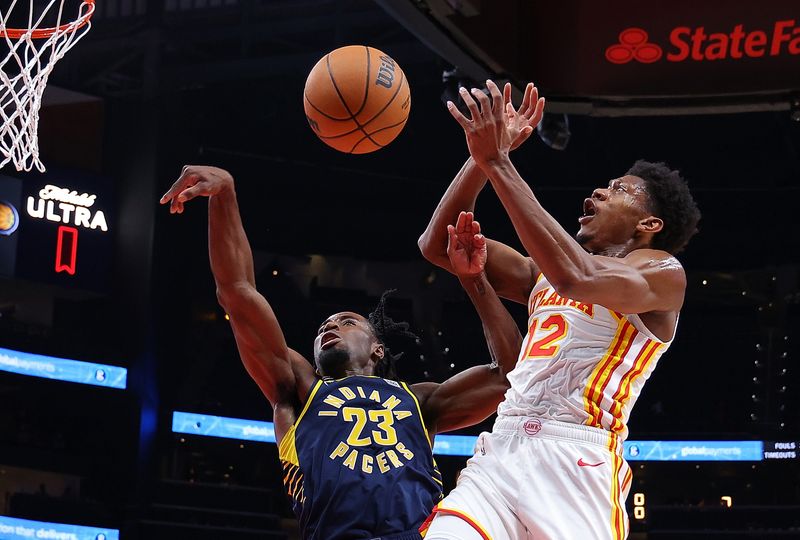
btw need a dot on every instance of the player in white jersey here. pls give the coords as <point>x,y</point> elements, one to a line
<point>603,307</point>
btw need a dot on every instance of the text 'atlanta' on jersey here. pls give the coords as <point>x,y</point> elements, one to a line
<point>358,463</point>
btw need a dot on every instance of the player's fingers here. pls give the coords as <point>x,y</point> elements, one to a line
<point>538,112</point>
<point>479,241</point>
<point>461,221</point>
<point>171,192</point>
<point>452,239</point>
<point>534,100</point>
<point>474,111</point>
<point>485,103</point>
<point>507,93</point>
<point>185,179</point>
<point>468,221</point>
<point>526,98</point>
<point>497,97</point>
<point>476,227</point>
<point>462,120</point>
<point>191,192</point>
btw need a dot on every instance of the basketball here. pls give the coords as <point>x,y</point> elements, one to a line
<point>357,99</point>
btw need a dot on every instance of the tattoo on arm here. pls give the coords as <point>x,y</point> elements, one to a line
<point>481,288</point>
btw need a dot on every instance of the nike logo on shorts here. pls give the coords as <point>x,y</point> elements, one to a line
<point>582,463</point>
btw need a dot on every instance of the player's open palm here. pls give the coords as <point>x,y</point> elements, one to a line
<point>466,246</point>
<point>196,181</point>
<point>522,121</point>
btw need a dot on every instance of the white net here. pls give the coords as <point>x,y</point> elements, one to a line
<point>33,51</point>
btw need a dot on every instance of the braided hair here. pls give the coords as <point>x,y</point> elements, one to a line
<point>388,330</point>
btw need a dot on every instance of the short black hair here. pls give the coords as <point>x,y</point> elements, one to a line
<point>387,329</point>
<point>670,200</point>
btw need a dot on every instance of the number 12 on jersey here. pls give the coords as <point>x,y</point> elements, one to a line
<point>545,339</point>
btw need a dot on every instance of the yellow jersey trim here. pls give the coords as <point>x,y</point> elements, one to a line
<point>287,451</point>
<point>419,410</point>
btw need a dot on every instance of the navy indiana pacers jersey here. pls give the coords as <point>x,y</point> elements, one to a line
<point>357,463</point>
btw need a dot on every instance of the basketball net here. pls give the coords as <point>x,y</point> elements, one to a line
<point>32,54</point>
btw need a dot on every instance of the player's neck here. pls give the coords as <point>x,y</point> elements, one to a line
<point>619,250</point>
<point>358,371</point>
<point>349,371</point>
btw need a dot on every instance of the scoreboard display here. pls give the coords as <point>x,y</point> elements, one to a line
<point>57,228</point>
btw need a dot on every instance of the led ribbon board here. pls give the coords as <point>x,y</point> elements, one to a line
<point>693,450</point>
<point>19,529</point>
<point>463,445</point>
<point>62,369</point>
<point>221,426</point>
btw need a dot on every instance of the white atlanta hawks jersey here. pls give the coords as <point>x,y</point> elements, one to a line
<point>580,363</point>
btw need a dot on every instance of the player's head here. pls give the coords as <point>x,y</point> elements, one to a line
<point>649,207</point>
<point>348,341</point>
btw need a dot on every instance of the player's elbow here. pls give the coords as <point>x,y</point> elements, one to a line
<point>224,297</point>
<point>230,296</point>
<point>433,252</point>
<point>426,246</point>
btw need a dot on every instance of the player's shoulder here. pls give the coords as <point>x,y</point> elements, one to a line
<point>656,260</point>
<point>661,269</point>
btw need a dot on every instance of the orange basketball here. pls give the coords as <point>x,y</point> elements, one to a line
<point>357,99</point>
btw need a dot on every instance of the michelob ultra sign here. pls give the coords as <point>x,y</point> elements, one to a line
<point>65,229</point>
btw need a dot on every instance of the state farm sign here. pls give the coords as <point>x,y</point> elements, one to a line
<point>704,44</point>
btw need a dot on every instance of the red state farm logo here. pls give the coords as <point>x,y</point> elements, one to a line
<point>633,45</point>
<point>700,44</point>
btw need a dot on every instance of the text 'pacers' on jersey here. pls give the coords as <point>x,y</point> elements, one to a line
<point>357,463</point>
<point>580,363</point>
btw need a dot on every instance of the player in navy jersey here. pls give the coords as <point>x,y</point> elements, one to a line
<point>354,443</point>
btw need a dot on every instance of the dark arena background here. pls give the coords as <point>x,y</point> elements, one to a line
<point>125,411</point>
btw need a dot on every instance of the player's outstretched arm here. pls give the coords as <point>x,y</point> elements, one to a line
<point>644,281</point>
<point>281,373</point>
<point>473,395</point>
<point>509,272</point>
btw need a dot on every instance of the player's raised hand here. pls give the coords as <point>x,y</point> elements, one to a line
<point>466,246</point>
<point>529,113</point>
<point>196,181</point>
<point>489,136</point>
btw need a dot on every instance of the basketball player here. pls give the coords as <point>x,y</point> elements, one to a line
<point>603,308</point>
<point>355,444</point>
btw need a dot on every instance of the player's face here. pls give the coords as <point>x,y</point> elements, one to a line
<point>611,215</point>
<point>345,341</point>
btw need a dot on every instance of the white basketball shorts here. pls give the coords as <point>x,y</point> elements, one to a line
<point>539,479</point>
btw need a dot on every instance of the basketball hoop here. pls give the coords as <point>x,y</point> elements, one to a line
<point>32,54</point>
